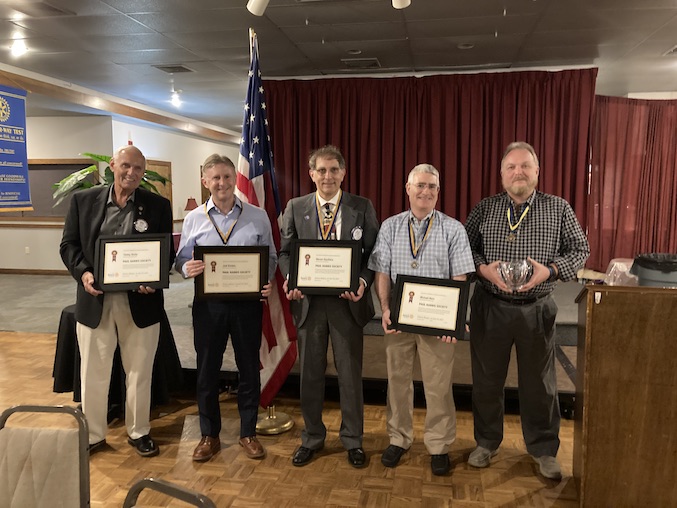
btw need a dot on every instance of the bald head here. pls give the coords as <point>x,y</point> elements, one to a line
<point>128,165</point>
<point>131,150</point>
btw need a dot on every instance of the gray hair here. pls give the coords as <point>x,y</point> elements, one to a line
<point>423,168</point>
<point>326,152</point>
<point>520,145</point>
<point>215,159</point>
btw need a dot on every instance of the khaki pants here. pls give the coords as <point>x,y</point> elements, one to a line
<point>97,348</point>
<point>437,362</point>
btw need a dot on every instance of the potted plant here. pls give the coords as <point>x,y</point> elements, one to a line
<point>91,177</point>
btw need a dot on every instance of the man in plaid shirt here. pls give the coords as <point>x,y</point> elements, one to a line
<point>519,224</point>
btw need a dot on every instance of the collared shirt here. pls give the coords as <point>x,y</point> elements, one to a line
<point>549,233</point>
<point>337,222</point>
<point>252,228</point>
<point>118,221</point>
<point>445,254</point>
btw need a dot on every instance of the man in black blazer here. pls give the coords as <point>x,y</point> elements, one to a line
<point>130,319</point>
<point>330,214</point>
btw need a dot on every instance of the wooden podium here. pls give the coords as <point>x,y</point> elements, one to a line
<point>625,429</point>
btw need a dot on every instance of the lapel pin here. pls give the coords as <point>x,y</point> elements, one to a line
<point>141,225</point>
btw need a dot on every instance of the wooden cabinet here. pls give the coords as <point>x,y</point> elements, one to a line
<point>625,429</point>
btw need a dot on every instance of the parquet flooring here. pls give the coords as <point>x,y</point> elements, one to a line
<point>232,480</point>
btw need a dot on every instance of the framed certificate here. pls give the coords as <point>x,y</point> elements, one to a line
<point>324,267</point>
<point>231,273</point>
<point>430,306</point>
<point>124,262</point>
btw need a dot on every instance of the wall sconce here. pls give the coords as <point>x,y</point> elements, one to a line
<point>257,7</point>
<point>401,4</point>
<point>191,204</point>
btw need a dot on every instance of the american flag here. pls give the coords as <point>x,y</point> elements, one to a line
<point>256,184</point>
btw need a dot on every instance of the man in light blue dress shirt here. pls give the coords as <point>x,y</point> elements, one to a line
<point>225,220</point>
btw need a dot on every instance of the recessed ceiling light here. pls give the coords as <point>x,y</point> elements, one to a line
<point>465,45</point>
<point>176,98</point>
<point>18,47</point>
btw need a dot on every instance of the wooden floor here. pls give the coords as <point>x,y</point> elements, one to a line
<point>230,479</point>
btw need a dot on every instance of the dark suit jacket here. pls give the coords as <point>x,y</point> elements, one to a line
<point>80,233</point>
<point>300,221</point>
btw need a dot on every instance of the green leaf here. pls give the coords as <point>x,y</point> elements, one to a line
<point>78,180</point>
<point>153,176</point>
<point>149,186</point>
<point>73,182</point>
<point>108,176</point>
<point>97,157</point>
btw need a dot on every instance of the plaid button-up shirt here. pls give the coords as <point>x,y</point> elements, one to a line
<point>549,233</point>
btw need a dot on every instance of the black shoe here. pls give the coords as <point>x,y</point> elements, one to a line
<point>144,445</point>
<point>440,464</point>
<point>357,457</point>
<point>302,456</point>
<point>96,447</point>
<point>392,455</point>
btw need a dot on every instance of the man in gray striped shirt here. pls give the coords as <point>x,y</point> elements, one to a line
<point>423,242</point>
<point>519,224</point>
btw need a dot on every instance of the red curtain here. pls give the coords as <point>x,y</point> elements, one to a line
<point>458,123</point>
<point>633,179</point>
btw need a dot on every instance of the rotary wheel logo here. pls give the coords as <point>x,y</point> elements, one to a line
<point>4,110</point>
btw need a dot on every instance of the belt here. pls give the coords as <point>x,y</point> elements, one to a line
<point>518,301</point>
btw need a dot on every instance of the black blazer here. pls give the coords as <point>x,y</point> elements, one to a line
<point>81,230</point>
<point>300,221</point>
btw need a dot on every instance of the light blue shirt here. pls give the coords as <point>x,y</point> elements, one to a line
<point>445,254</point>
<point>252,228</point>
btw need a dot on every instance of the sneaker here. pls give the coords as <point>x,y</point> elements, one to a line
<point>549,467</point>
<point>481,457</point>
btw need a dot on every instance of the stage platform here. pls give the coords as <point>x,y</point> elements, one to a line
<point>33,303</point>
<point>180,295</point>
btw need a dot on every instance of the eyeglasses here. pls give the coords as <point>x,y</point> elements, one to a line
<point>323,171</point>
<point>422,186</point>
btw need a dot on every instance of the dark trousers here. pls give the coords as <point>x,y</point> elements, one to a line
<point>213,322</point>
<point>494,327</point>
<point>331,316</point>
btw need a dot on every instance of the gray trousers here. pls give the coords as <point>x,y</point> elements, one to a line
<point>494,327</point>
<point>331,316</point>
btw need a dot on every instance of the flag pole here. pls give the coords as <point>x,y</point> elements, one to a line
<point>273,423</point>
<point>270,422</point>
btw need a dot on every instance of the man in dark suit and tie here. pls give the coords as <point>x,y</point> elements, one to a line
<point>129,318</point>
<point>330,214</point>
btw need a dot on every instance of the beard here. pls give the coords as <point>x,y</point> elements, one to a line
<point>521,188</point>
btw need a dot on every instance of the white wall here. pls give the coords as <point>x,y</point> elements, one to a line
<point>186,154</point>
<point>67,138</point>
<point>49,137</point>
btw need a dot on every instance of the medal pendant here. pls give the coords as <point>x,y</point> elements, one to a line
<point>414,264</point>
<point>511,237</point>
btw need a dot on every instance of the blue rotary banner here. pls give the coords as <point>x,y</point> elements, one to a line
<point>15,192</point>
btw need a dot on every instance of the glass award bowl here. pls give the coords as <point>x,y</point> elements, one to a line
<point>515,273</point>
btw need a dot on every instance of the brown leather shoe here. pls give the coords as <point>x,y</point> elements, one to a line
<point>252,448</point>
<point>206,449</point>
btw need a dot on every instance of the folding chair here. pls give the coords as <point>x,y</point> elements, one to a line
<point>44,466</point>
<point>171,489</point>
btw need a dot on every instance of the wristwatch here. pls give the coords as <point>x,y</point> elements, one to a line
<point>553,274</point>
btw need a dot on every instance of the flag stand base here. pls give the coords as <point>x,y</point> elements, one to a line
<point>273,423</point>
